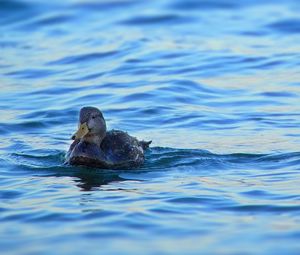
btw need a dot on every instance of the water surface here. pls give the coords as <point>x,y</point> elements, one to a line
<point>215,86</point>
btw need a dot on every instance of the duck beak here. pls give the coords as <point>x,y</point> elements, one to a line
<point>83,129</point>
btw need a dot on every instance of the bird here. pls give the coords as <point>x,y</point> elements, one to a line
<point>94,146</point>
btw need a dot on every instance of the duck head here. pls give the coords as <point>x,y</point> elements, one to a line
<point>91,126</point>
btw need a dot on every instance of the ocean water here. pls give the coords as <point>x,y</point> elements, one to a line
<point>214,84</point>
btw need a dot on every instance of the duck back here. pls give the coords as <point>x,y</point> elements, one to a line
<point>122,149</point>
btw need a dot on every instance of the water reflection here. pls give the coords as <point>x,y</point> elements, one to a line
<point>90,182</point>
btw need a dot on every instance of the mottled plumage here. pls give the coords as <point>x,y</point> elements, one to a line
<point>95,147</point>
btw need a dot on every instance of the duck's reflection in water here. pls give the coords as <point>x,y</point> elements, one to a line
<point>89,182</point>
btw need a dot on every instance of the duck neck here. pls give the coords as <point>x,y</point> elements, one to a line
<point>94,139</point>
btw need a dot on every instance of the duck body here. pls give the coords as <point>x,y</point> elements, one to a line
<point>116,150</point>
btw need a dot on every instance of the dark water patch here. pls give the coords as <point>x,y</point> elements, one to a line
<point>269,65</point>
<point>241,63</point>
<point>269,209</point>
<point>119,85</point>
<point>279,157</point>
<point>263,195</point>
<point>39,119</point>
<point>9,194</point>
<point>5,66</point>
<point>33,73</point>
<point>137,97</point>
<point>252,59</point>
<point>83,58</point>
<point>24,126</point>
<point>170,158</point>
<point>9,44</point>
<point>48,114</point>
<point>157,19</point>
<point>278,94</point>
<point>12,5</point>
<point>41,216</point>
<point>43,163</point>
<point>53,91</point>
<point>87,77</point>
<point>93,99</point>
<point>38,154</point>
<point>122,111</point>
<point>223,5</point>
<point>287,117</point>
<point>154,110</point>
<point>192,5</point>
<point>295,235</point>
<point>180,85</point>
<point>224,121</point>
<point>174,55</point>
<point>274,177</point>
<point>289,26</point>
<point>195,200</point>
<point>213,66</point>
<point>182,119</point>
<point>46,21</point>
<point>245,103</point>
<point>170,55</point>
<point>10,10</point>
<point>278,161</point>
<point>104,5</point>
<point>57,19</point>
<point>106,235</point>
<point>166,211</point>
<point>254,33</point>
<point>138,71</point>
<point>140,117</point>
<point>134,61</point>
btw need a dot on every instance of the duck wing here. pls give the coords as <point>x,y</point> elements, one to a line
<point>122,149</point>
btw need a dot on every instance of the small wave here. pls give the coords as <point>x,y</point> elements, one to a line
<point>274,209</point>
<point>290,26</point>
<point>278,94</point>
<point>83,58</point>
<point>33,73</point>
<point>203,160</point>
<point>40,21</point>
<point>104,5</point>
<point>192,5</point>
<point>156,19</point>
<point>169,158</point>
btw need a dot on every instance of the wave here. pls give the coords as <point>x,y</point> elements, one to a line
<point>161,158</point>
<point>159,162</point>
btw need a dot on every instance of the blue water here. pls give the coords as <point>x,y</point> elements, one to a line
<point>214,84</point>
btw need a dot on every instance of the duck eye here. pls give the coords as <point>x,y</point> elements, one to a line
<point>93,117</point>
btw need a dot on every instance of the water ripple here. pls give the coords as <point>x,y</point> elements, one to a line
<point>192,5</point>
<point>156,19</point>
<point>83,58</point>
<point>290,26</point>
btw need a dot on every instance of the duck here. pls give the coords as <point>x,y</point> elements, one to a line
<point>94,146</point>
